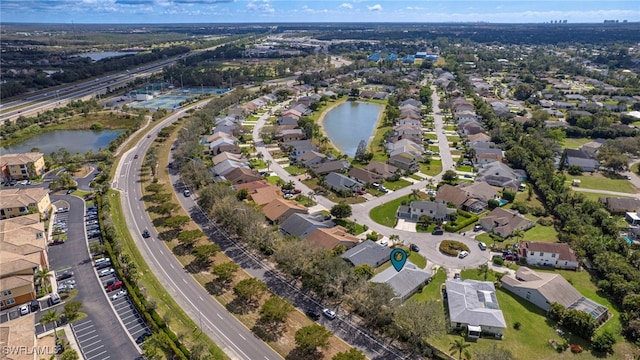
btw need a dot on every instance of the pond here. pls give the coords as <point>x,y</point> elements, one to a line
<point>351,122</point>
<point>75,141</point>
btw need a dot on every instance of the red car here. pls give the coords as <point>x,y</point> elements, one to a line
<point>360,192</point>
<point>115,286</point>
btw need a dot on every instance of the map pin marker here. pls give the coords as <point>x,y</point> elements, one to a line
<point>398,259</point>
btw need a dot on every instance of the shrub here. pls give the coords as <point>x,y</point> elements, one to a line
<point>545,221</point>
<point>493,203</point>
<point>517,325</point>
<point>508,195</point>
<point>498,261</point>
<point>451,247</point>
<point>604,342</point>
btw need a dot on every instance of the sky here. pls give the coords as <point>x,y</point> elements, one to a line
<point>275,11</point>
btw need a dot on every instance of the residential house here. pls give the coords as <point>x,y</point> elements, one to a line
<point>501,175</point>
<point>339,182</point>
<point>621,205</point>
<point>406,131</point>
<point>290,135</point>
<point>20,201</point>
<point>405,282</point>
<point>488,157</point>
<point>287,120</point>
<point>470,128</point>
<point>22,251</point>
<point>473,305</point>
<point>298,148</point>
<point>404,162</point>
<point>369,253</point>
<point>329,238</point>
<point>433,210</point>
<point>472,197</point>
<point>228,156</point>
<point>412,102</point>
<point>20,342</point>
<point>296,114</point>
<point>465,116</point>
<point>548,254</point>
<point>328,167</point>
<point>260,192</point>
<point>591,148</point>
<point>503,222</point>
<point>364,176</point>
<point>21,166</point>
<point>312,159</point>
<point>411,120</point>
<point>407,147</point>
<point>226,166</point>
<point>386,171</point>
<point>225,144</point>
<point>241,175</point>
<point>480,137</point>
<point>302,225</point>
<point>543,289</point>
<point>279,210</point>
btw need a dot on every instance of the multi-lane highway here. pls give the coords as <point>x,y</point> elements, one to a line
<point>235,339</point>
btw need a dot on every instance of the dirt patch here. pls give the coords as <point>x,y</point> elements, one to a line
<point>84,171</point>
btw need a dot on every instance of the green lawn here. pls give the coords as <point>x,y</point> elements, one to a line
<point>430,136</point>
<point>465,168</point>
<point>417,259</point>
<point>395,185</point>
<point>600,182</point>
<point>431,169</point>
<point>541,233</point>
<point>257,164</point>
<point>385,214</point>
<point>294,170</point>
<point>453,139</point>
<point>574,143</point>
<point>535,331</point>
<point>432,291</point>
<point>415,177</point>
<point>348,224</point>
<point>273,179</point>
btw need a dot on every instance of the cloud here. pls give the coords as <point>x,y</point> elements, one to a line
<point>346,6</point>
<point>263,6</point>
<point>376,7</point>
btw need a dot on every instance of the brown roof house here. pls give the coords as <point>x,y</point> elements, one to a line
<point>543,289</point>
<point>473,197</point>
<point>241,175</point>
<point>403,162</point>
<point>332,237</point>
<point>385,170</point>
<point>279,210</point>
<point>504,222</point>
<point>364,176</point>
<point>548,254</point>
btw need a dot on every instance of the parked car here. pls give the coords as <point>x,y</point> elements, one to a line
<point>119,294</point>
<point>186,193</point>
<point>414,247</point>
<point>35,305</point>
<point>477,228</point>
<point>360,192</point>
<point>24,310</point>
<point>56,242</point>
<point>142,338</point>
<point>70,191</point>
<point>54,299</point>
<point>463,254</point>
<point>313,314</point>
<point>64,275</point>
<point>456,276</point>
<point>114,286</point>
<point>482,246</point>
<point>106,272</point>
<point>437,231</point>
<point>330,314</point>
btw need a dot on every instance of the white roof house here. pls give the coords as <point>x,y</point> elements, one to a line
<point>473,305</point>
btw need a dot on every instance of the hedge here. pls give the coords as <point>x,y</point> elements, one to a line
<point>451,247</point>
<point>460,224</point>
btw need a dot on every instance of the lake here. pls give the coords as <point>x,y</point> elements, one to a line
<point>75,141</point>
<point>349,123</point>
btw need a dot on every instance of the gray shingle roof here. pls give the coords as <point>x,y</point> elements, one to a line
<point>368,252</point>
<point>474,302</point>
<point>404,282</point>
<point>301,225</point>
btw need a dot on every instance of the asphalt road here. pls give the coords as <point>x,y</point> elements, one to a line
<point>74,253</point>
<point>233,337</point>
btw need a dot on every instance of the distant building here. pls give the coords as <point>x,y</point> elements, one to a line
<point>20,201</point>
<point>21,166</point>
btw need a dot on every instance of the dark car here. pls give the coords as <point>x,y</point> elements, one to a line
<point>56,242</point>
<point>145,233</point>
<point>313,314</point>
<point>414,247</point>
<point>64,275</point>
<point>142,338</point>
<point>135,156</point>
<point>437,231</point>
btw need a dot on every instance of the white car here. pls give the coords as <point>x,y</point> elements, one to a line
<point>119,294</point>
<point>24,310</point>
<point>463,254</point>
<point>330,314</point>
<point>106,272</point>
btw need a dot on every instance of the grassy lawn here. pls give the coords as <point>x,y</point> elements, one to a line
<point>432,291</point>
<point>465,168</point>
<point>535,332</point>
<point>257,164</point>
<point>599,182</point>
<point>415,177</point>
<point>574,143</point>
<point>348,224</point>
<point>431,136</point>
<point>431,169</point>
<point>272,179</point>
<point>593,196</point>
<point>417,259</point>
<point>294,170</point>
<point>541,233</point>
<point>453,139</point>
<point>395,185</point>
<point>385,214</point>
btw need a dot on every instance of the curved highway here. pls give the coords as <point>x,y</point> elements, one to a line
<point>233,337</point>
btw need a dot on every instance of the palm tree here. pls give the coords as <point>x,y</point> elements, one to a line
<point>484,270</point>
<point>415,194</point>
<point>458,346</point>
<point>44,277</point>
<point>311,195</point>
<point>51,316</point>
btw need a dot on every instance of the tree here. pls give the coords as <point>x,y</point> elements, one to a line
<point>249,291</point>
<point>449,176</point>
<point>275,310</point>
<point>203,253</point>
<point>579,322</point>
<point>71,310</point>
<point>484,270</point>
<point>242,194</point>
<point>361,150</point>
<point>225,271</point>
<point>458,346</point>
<point>604,342</point>
<point>341,210</point>
<point>189,237</point>
<point>415,194</point>
<point>43,275</point>
<point>352,354</point>
<point>364,271</point>
<point>418,321</point>
<point>69,354</point>
<point>177,222</point>
<point>310,338</point>
<point>154,188</point>
<point>51,316</point>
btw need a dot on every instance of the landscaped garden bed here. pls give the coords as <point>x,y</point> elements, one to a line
<point>451,247</point>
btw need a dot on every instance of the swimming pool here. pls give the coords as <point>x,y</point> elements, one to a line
<point>628,239</point>
<point>502,202</point>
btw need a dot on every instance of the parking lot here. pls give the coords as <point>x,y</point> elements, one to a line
<point>89,340</point>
